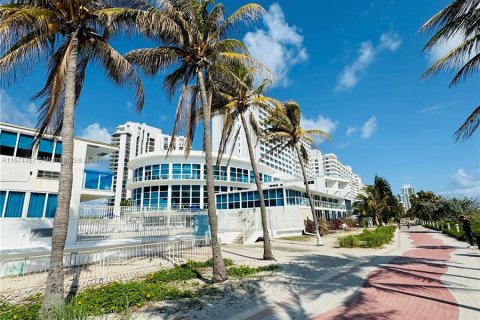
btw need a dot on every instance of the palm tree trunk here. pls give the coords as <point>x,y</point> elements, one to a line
<point>54,291</point>
<point>219,271</point>
<point>267,245</point>
<point>310,199</point>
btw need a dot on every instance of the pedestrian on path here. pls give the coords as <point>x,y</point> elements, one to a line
<point>467,228</point>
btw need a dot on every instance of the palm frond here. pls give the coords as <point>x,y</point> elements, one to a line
<point>467,129</point>
<point>24,55</point>
<point>152,60</point>
<point>118,69</point>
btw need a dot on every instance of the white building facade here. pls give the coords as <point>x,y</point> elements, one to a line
<point>406,193</point>
<point>333,168</point>
<point>29,185</point>
<point>133,139</point>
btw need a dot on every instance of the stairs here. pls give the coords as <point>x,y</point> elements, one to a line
<point>238,239</point>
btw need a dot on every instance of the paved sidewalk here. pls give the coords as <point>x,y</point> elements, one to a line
<point>422,275</point>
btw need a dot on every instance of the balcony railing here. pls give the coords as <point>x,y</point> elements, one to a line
<point>98,180</point>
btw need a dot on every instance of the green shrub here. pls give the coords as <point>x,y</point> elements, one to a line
<point>243,271</point>
<point>10,311</point>
<point>178,273</point>
<point>368,239</point>
<point>204,264</point>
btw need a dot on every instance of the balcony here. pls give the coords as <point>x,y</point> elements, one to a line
<point>97,184</point>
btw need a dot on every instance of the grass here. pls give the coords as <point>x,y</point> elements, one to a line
<point>368,239</point>
<point>245,271</point>
<point>302,238</point>
<point>119,297</point>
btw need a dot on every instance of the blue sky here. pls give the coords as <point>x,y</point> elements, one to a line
<point>353,66</point>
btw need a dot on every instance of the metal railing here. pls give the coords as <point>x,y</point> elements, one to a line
<point>101,266</point>
<point>106,223</point>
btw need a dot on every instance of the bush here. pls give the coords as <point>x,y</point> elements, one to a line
<point>368,239</point>
<point>204,264</point>
<point>243,271</point>
<point>178,273</point>
<point>21,312</point>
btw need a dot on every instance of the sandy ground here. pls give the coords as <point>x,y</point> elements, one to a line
<point>303,264</point>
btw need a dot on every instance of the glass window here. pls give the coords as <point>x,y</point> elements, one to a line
<point>106,181</point>
<point>58,151</point>
<point>36,205</point>
<point>148,173</point>
<point>165,169</point>
<point>51,206</point>
<point>3,195</point>
<point>8,141</point>
<point>24,148</point>
<point>91,180</point>
<point>14,204</point>
<point>155,172</point>
<point>45,149</point>
<point>186,171</point>
<point>177,171</point>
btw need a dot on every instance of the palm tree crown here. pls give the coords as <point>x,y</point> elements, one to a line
<point>459,19</point>
<point>31,30</point>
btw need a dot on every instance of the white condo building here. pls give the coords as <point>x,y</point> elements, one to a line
<point>334,168</point>
<point>407,192</point>
<point>133,139</point>
<point>29,185</point>
<point>157,185</point>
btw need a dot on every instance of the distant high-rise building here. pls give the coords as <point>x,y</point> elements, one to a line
<point>407,191</point>
<point>133,139</point>
<point>334,168</point>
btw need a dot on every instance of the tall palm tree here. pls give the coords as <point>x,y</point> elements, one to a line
<point>460,19</point>
<point>233,101</point>
<point>68,34</point>
<point>199,46</point>
<point>284,127</point>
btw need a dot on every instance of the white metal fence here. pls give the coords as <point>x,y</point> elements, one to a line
<point>101,266</point>
<point>102,222</point>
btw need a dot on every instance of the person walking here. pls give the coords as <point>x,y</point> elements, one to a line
<point>467,228</point>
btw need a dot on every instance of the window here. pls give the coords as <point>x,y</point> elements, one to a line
<point>36,205</point>
<point>177,171</point>
<point>49,175</point>
<point>148,173</point>
<point>138,174</point>
<point>45,149</point>
<point>51,206</point>
<point>3,196</point>
<point>14,204</point>
<point>155,172</point>
<point>8,141</point>
<point>24,148</point>
<point>58,151</point>
<point>165,168</point>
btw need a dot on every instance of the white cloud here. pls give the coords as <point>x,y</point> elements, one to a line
<point>464,185</point>
<point>351,130</point>
<point>280,47</point>
<point>369,127</point>
<point>95,132</point>
<point>430,111</point>
<point>350,75</point>
<point>16,112</point>
<point>444,47</point>
<point>320,123</point>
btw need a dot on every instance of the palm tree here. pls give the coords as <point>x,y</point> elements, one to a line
<point>198,46</point>
<point>461,19</point>
<point>67,34</point>
<point>377,200</point>
<point>233,100</point>
<point>284,127</point>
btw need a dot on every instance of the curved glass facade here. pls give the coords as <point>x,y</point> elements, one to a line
<point>193,171</point>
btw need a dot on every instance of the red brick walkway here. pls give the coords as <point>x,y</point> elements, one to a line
<point>409,287</point>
